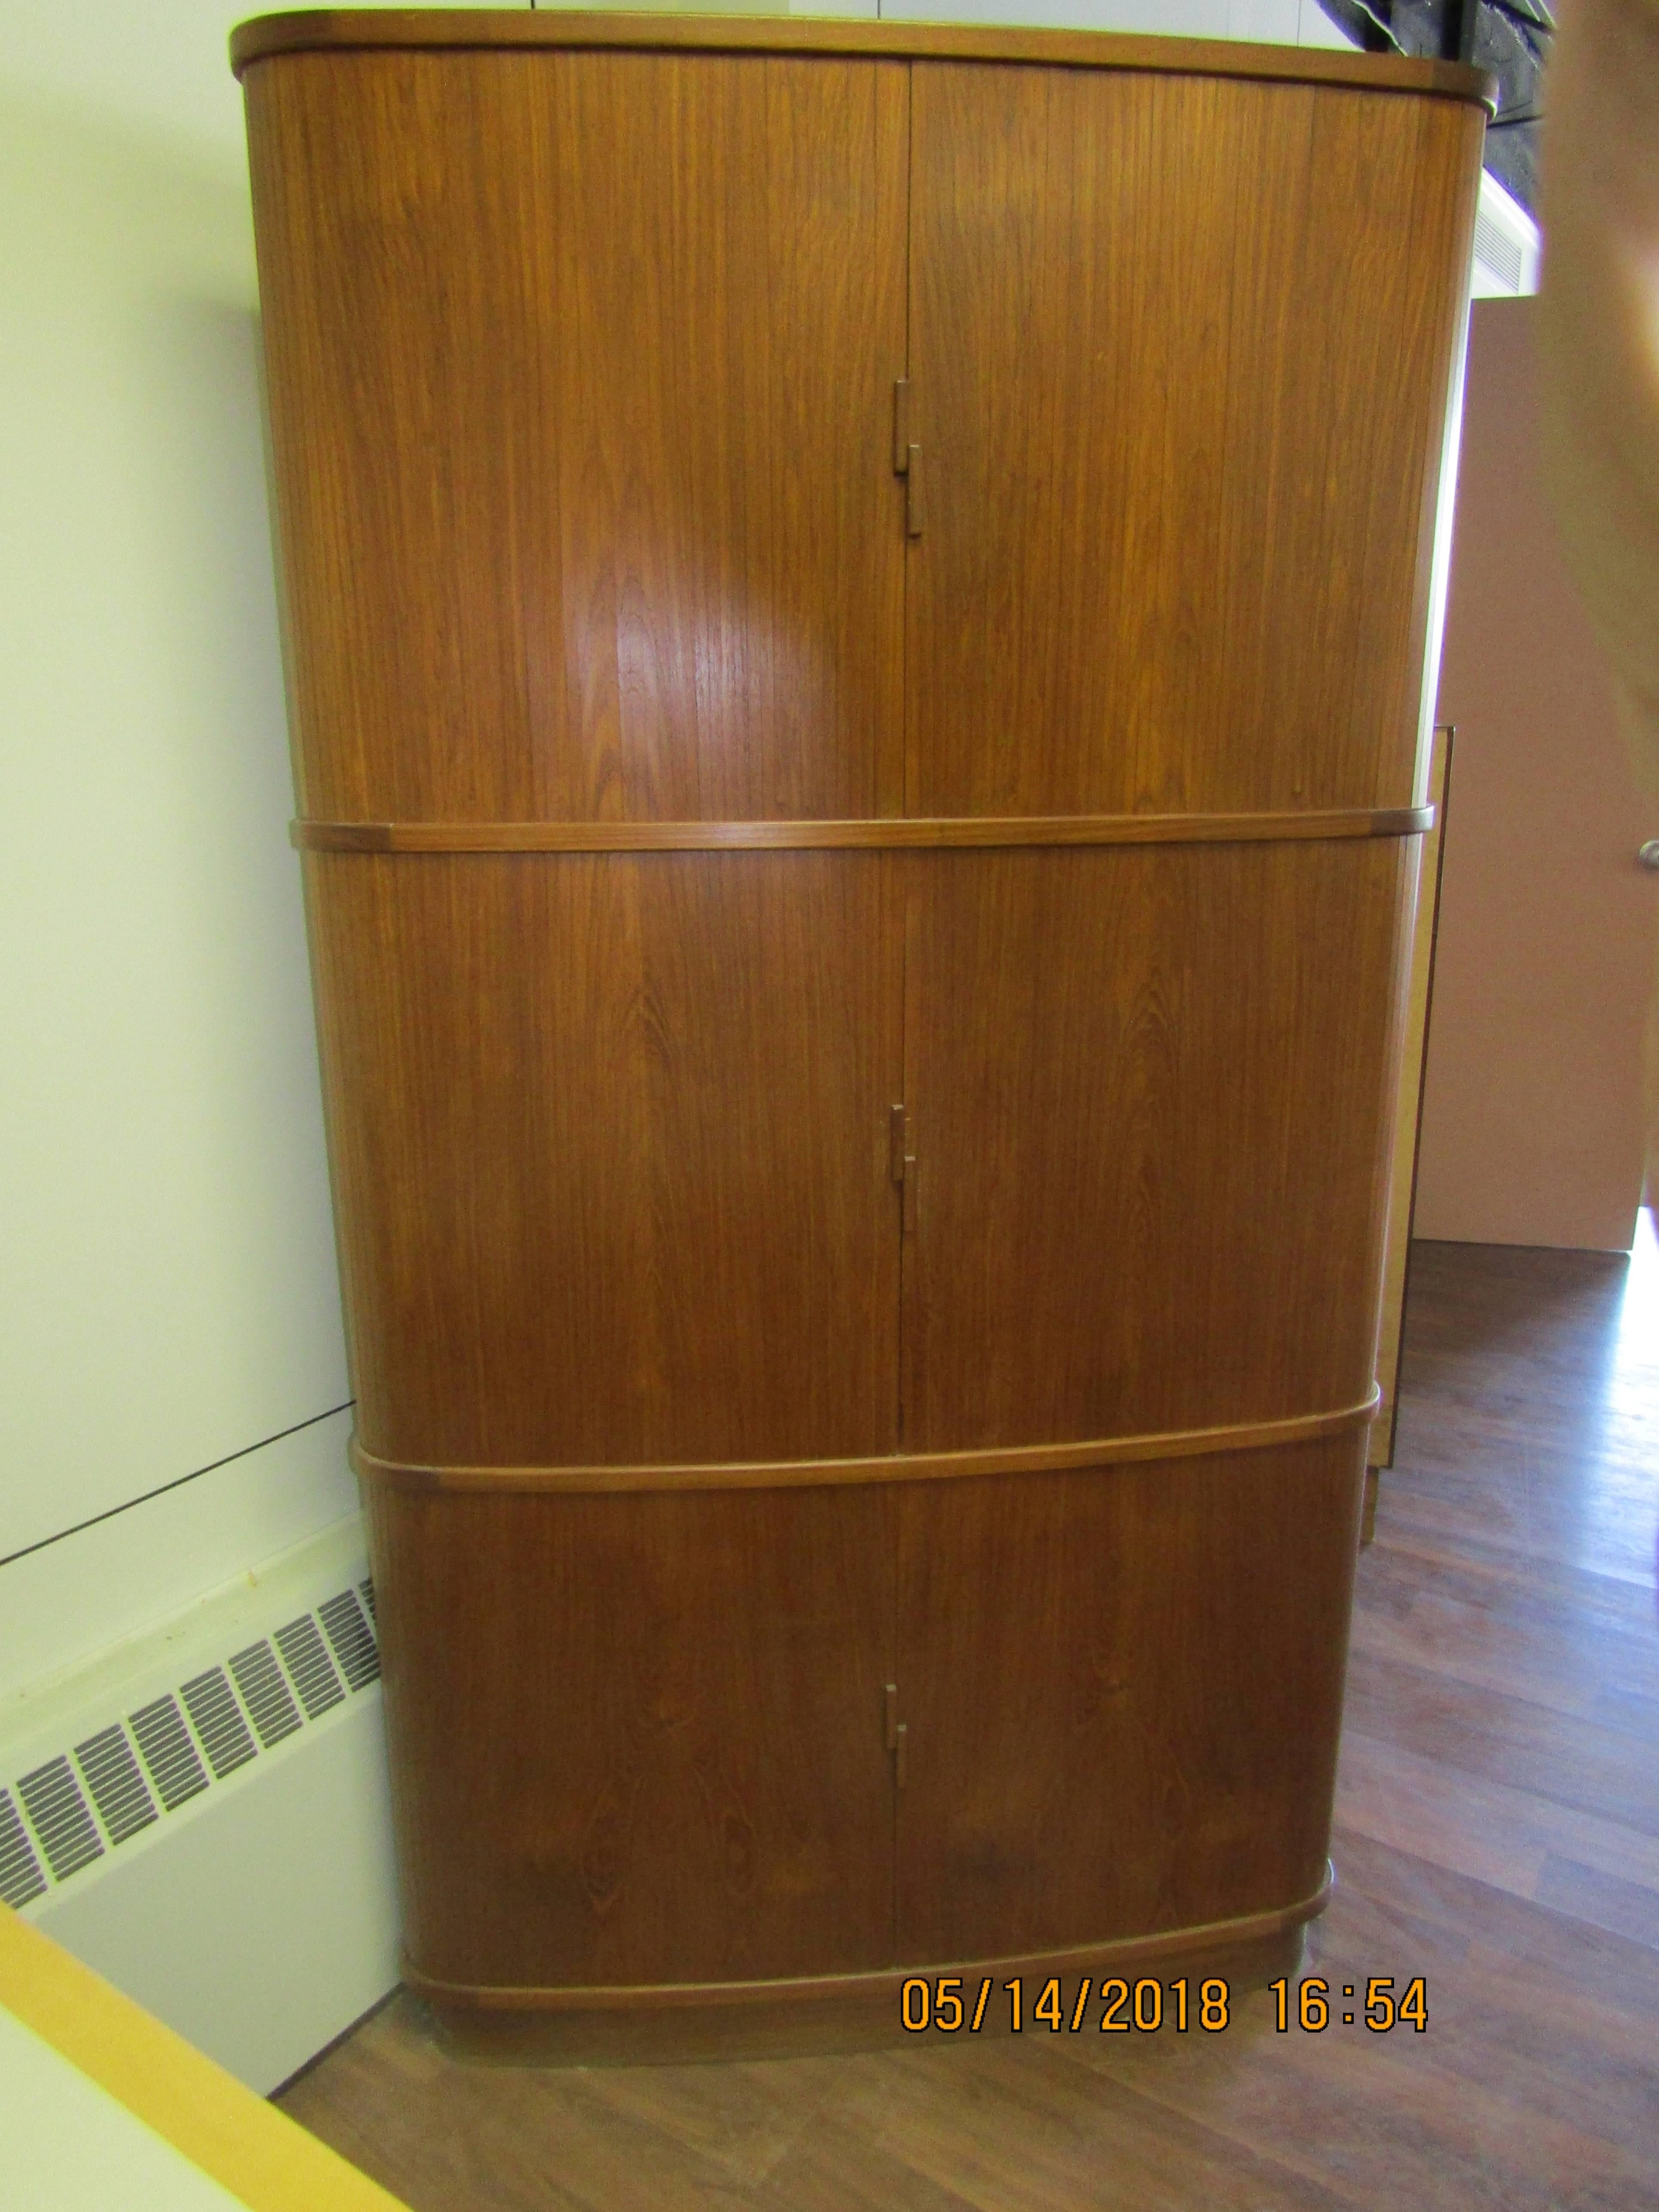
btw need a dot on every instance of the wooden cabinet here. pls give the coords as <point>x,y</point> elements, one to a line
<point>857,601</point>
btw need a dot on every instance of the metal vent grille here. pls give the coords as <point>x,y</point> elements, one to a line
<point>1495,249</point>
<point>72,1809</point>
<point>301,1646</point>
<point>348,1632</point>
<point>211,1703</point>
<point>59,1816</point>
<point>21,1877</point>
<point>118,1790</point>
<point>170,1755</point>
<point>265,1693</point>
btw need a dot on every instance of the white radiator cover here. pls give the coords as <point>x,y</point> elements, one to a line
<point>1508,245</point>
<point>257,1913</point>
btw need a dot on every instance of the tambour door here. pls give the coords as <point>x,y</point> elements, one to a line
<point>580,375</point>
<point>1121,1687</point>
<point>637,1738</point>
<point>1180,360</point>
<point>1147,1089</point>
<point>609,1135</point>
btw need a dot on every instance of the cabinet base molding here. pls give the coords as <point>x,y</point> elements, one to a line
<point>892,1467</point>
<point>673,2022</point>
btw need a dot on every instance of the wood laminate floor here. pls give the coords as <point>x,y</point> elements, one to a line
<point>1498,1832</point>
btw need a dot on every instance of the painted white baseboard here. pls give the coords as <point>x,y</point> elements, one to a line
<point>256,1913</point>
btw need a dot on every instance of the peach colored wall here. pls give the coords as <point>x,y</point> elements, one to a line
<point>1532,1100</point>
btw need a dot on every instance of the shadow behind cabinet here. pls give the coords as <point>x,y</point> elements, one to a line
<point>857,601</point>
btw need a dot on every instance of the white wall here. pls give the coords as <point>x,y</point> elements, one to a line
<point>1532,1128</point>
<point>1278,22</point>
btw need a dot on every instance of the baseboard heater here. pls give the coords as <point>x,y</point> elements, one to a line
<point>201,1814</point>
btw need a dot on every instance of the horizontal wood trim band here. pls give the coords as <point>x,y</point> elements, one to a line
<point>346,30</point>
<point>932,833</point>
<point>895,1467</point>
<point>888,1981</point>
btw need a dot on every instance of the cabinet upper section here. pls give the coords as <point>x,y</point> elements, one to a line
<point>687,421</point>
<point>506,30</point>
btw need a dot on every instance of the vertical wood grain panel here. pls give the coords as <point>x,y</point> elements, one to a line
<point>638,1740</point>
<point>610,1145</point>
<point>1150,1091</point>
<point>1132,1725</point>
<point>580,369</point>
<point>1179,352</point>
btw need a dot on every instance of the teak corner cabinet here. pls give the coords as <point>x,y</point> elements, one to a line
<point>857,606</point>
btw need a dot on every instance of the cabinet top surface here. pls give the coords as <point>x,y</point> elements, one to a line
<point>516,30</point>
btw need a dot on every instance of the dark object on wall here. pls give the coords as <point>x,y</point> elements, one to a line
<point>1508,39</point>
<point>857,601</point>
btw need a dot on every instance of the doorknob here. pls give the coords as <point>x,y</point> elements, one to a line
<point>1647,856</point>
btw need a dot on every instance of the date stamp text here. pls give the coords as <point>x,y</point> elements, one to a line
<point>952,2004</point>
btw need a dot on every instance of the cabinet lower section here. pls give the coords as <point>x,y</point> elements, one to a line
<point>666,1758</point>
